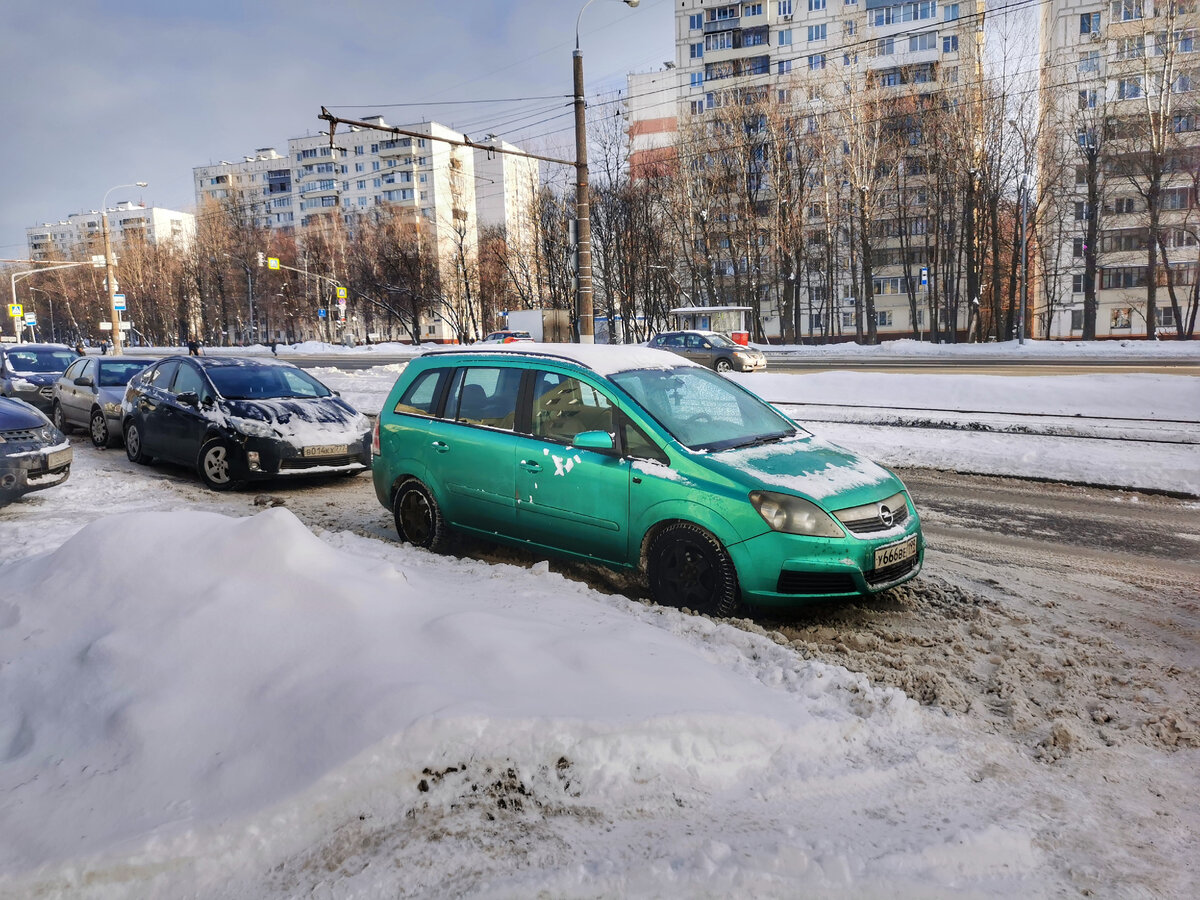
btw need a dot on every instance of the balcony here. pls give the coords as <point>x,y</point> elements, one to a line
<point>722,24</point>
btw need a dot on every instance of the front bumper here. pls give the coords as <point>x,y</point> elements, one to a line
<point>750,365</point>
<point>34,469</point>
<point>267,458</point>
<point>776,569</point>
<point>37,395</point>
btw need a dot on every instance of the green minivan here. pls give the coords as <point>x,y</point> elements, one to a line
<point>636,458</point>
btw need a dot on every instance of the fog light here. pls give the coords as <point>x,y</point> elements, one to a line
<point>252,461</point>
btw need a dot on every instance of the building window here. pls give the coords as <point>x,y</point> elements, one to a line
<point>816,5</point>
<point>884,317</point>
<point>696,22</point>
<point>697,107</point>
<point>721,40</point>
<point>950,12</point>
<point>696,50</point>
<point>1077,248</point>
<point>1131,47</point>
<point>1123,205</point>
<point>950,44</point>
<point>816,62</point>
<point>1119,277</point>
<point>785,37</point>
<point>1129,88</point>
<point>1176,198</point>
<point>1089,62</point>
<point>784,7</point>
<point>1078,284</point>
<point>1088,100</point>
<point>785,66</point>
<point>752,9</point>
<point>926,41</point>
<point>1122,317</point>
<point>817,32</point>
<point>1083,212</point>
<point>1127,10</point>
<point>1077,320</point>
<point>848,318</point>
<point>1089,23</point>
<point>697,79</point>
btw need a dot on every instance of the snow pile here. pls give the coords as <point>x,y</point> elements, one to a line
<point>266,712</point>
<point>1056,351</point>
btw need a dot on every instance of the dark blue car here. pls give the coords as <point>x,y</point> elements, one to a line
<point>33,453</point>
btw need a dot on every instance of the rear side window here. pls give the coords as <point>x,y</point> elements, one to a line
<point>485,395</point>
<point>564,406</point>
<point>420,398</point>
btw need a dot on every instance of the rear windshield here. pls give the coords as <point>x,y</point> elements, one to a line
<point>40,361</point>
<point>265,382</point>
<point>115,374</point>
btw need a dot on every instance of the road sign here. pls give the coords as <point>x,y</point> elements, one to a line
<point>98,261</point>
<point>15,310</point>
<point>273,263</point>
<point>321,314</point>
<point>30,318</point>
<point>107,326</point>
<point>924,277</point>
<point>118,301</point>
<point>340,292</point>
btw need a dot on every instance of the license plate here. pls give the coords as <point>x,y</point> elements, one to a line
<point>896,553</point>
<point>58,458</point>
<point>327,450</point>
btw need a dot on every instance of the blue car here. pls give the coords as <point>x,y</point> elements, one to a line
<point>33,453</point>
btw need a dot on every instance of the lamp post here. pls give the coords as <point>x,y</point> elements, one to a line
<point>583,228</point>
<point>109,266</point>
<point>1024,185</point>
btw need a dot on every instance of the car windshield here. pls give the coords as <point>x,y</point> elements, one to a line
<point>703,410</point>
<point>719,340</point>
<point>31,361</point>
<point>115,374</point>
<point>265,382</point>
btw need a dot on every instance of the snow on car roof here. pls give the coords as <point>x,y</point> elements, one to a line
<point>603,359</point>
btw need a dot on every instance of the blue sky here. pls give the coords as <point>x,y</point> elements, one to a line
<point>105,93</point>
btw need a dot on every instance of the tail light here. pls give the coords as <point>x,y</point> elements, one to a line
<point>375,438</point>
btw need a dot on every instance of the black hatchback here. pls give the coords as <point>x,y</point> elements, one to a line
<point>236,419</point>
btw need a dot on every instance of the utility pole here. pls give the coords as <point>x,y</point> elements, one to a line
<point>110,265</point>
<point>1025,179</point>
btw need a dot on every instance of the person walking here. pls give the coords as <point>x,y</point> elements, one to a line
<point>274,347</point>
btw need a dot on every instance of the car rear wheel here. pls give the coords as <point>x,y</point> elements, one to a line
<point>723,365</point>
<point>215,466</point>
<point>688,567</point>
<point>418,518</point>
<point>60,420</point>
<point>99,430</point>
<point>133,444</point>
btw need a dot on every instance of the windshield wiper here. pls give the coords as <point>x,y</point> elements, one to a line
<point>762,439</point>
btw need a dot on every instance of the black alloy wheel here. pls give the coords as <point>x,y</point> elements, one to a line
<point>418,518</point>
<point>688,568</point>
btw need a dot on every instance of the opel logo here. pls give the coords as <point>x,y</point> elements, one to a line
<point>885,516</point>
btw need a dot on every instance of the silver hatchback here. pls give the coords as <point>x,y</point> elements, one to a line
<point>712,349</point>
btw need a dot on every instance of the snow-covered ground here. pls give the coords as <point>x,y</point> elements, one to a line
<point>199,702</point>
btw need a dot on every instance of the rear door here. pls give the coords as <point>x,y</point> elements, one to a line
<point>570,498</point>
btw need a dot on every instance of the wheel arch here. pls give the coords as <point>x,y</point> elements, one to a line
<point>663,515</point>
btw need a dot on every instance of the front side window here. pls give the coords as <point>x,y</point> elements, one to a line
<point>188,380</point>
<point>564,406</point>
<point>161,376</point>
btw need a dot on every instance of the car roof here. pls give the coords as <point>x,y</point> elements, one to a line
<point>603,359</point>
<point>25,345</point>
<point>213,362</point>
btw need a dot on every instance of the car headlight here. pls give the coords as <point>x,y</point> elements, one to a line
<point>251,427</point>
<point>794,515</point>
<point>20,384</point>
<point>49,434</point>
<point>112,409</point>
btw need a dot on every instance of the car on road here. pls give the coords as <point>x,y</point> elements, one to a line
<point>28,371</point>
<point>711,348</point>
<point>638,459</point>
<point>238,419</point>
<point>508,337</point>
<point>34,455</point>
<point>88,395</point>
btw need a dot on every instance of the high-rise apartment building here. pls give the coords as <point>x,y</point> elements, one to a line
<point>258,188</point>
<point>82,232</point>
<point>1121,88</point>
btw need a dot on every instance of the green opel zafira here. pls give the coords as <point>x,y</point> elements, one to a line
<point>636,458</point>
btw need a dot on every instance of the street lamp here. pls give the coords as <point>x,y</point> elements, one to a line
<point>109,266</point>
<point>583,228</point>
<point>1024,185</point>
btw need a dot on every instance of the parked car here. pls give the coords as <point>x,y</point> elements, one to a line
<point>634,457</point>
<point>28,371</point>
<point>236,419</point>
<point>507,337</point>
<point>88,395</point>
<point>711,348</point>
<point>34,455</point>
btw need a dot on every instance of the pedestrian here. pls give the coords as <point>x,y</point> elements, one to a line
<point>103,348</point>
<point>274,347</point>
<point>193,347</point>
<point>79,351</point>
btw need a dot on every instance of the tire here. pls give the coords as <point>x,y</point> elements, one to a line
<point>688,568</point>
<point>723,366</point>
<point>59,419</point>
<point>215,466</point>
<point>418,517</point>
<point>133,444</point>
<point>98,428</point>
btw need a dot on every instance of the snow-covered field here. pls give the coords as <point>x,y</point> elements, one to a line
<point>196,701</point>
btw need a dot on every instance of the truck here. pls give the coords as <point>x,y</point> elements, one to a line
<point>551,325</point>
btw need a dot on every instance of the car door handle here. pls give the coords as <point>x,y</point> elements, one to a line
<point>530,466</point>
<point>440,446</point>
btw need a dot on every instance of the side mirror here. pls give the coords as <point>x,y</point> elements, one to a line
<point>188,398</point>
<point>84,381</point>
<point>593,440</point>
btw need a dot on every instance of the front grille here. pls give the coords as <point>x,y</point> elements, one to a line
<point>47,391</point>
<point>299,463</point>
<point>815,583</point>
<point>24,435</point>
<point>892,572</point>
<point>872,524</point>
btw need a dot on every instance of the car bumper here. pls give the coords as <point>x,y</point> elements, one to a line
<point>750,365</point>
<point>777,569</point>
<point>40,397</point>
<point>262,458</point>
<point>34,470</point>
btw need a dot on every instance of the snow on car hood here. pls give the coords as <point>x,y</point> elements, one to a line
<point>303,419</point>
<point>812,468</point>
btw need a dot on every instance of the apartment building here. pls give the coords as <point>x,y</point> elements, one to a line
<point>652,113</point>
<point>258,188</point>
<point>506,194</point>
<point>1111,70</point>
<point>83,232</point>
<point>793,53</point>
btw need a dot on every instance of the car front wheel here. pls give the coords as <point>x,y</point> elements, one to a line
<point>418,517</point>
<point>688,567</point>
<point>723,365</point>
<point>99,430</point>
<point>133,444</point>
<point>60,420</point>
<point>215,466</point>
